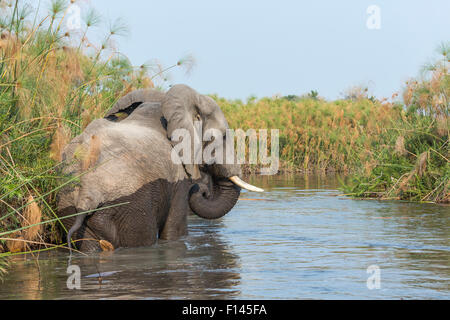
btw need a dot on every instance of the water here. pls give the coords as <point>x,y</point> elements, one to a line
<point>300,240</point>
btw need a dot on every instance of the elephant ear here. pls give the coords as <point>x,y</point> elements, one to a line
<point>178,108</point>
<point>128,103</point>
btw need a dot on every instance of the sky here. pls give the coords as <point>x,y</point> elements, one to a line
<point>265,48</point>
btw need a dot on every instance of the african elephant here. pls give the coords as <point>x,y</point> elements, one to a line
<point>125,159</point>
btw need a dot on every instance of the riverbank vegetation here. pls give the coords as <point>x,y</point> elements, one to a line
<point>54,81</point>
<point>395,148</point>
<point>411,160</point>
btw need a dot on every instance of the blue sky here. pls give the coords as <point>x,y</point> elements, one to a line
<point>263,48</point>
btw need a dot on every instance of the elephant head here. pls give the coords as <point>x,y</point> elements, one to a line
<point>218,184</point>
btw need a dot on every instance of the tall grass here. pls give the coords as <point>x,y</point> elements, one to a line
<point>317,135</point>
<point>53,82</point>
<point>393,150</point>
<point>412,159</point>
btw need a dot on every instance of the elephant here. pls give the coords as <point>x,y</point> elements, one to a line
<point>127,189</point>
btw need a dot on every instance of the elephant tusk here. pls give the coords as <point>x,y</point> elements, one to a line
<point>237,181</point>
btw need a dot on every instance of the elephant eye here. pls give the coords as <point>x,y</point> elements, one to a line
<point>198,118</point>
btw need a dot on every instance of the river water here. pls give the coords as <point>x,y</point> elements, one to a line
<point>298,240</point>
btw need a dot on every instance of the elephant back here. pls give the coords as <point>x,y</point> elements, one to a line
<point>128,103</point>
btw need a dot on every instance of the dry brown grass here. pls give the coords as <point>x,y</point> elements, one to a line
<point>31,216</point>
<point>400,146</point>
<point>106,246</point>
<point>92,154</point>
<point>60,139</point>
<point>318,135</point>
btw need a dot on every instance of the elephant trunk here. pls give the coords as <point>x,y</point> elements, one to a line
<point>215,204</point>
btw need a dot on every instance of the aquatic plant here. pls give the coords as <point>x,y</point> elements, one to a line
<point>317,135</point>
<point>412,160</point>
<point>53,82</point>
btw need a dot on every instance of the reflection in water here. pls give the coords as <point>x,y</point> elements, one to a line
<point>302,241</point>
<point>198,267</point>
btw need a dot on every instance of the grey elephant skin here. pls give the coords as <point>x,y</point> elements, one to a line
<point>126,158</point>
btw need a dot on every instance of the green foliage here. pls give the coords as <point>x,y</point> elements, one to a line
<point>316,135</point>
<point>53,83</point>
<point>412,163</point>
